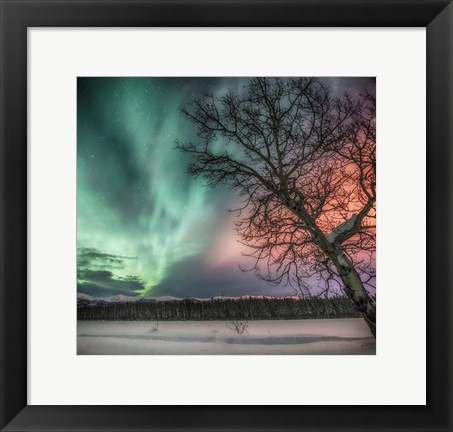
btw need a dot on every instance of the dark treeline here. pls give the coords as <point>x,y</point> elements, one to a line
<point>219,309</point>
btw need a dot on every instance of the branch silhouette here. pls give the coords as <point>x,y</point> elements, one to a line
<point>304,163</point>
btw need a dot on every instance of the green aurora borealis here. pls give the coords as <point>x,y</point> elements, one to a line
<point>138,213</point>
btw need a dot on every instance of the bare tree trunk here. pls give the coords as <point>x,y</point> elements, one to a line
<point>356,292</point>
<point>359,296</point>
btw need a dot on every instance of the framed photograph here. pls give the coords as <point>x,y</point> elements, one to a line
<point>184,272</point>
<point>226,216</point>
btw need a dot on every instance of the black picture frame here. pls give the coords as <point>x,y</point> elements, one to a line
<point>18,15</point>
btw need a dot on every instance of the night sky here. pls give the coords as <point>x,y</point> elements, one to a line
<point>145,226</point>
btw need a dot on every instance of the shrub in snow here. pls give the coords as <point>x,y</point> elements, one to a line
<point>239,326</point>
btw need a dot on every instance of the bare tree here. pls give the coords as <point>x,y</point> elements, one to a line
<point>304,163</point>
<point>240,327</point>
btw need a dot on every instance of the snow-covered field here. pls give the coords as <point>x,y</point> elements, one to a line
<point>340,336</point>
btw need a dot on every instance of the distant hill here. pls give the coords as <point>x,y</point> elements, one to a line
<point>120,298</point>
